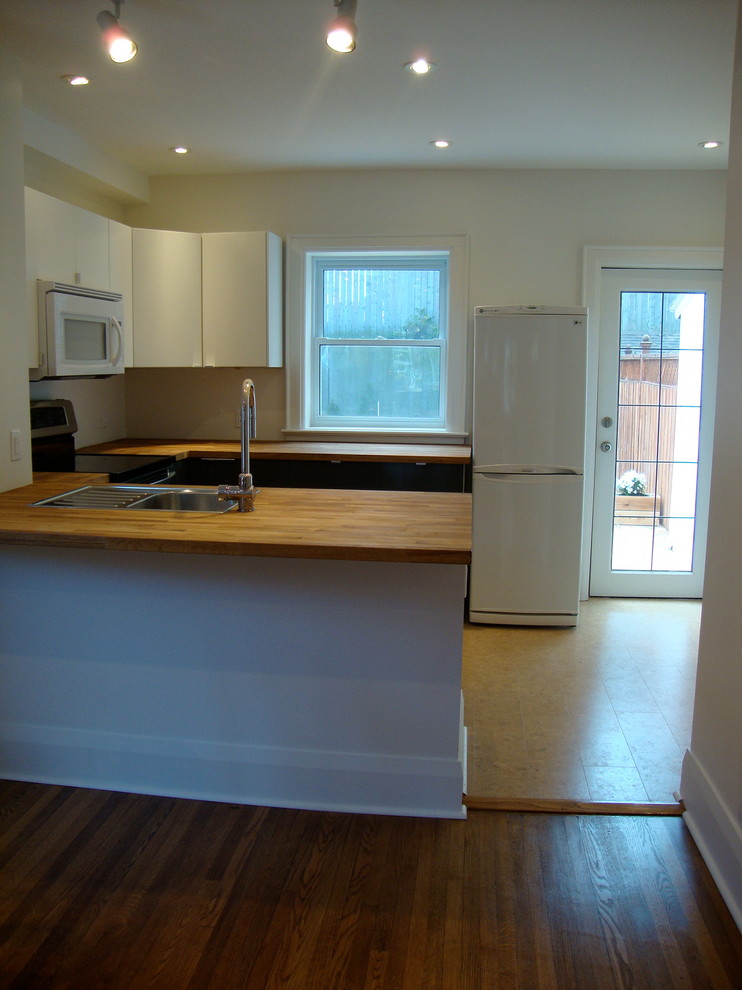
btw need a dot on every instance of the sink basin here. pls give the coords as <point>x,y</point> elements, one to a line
<point>149,497</point>
<point>185,500</point>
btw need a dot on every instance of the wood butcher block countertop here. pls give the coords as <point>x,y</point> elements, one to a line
<point>324,524</point>
<point>288,450</point>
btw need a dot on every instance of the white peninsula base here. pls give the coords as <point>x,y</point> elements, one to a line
<point>316,684</point>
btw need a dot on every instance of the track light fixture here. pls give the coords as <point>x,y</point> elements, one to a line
<point>117,41</point>
<point>341,34</point>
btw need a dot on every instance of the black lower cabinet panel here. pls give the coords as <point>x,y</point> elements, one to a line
<point>382,476</point>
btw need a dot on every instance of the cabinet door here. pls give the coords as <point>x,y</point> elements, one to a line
<point>119,260</point>
<point>242,299</point>
<point>166,276</point>
<point>91,250</point>
<point>50,238</point>
<point>50,234</point>
<point>65,243</point>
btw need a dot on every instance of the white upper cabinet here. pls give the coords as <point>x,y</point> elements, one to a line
<point>242,300</point>
<point>120,263</point>
<point>65,243</point>
<point>190,300</point>
<point>166,279</point>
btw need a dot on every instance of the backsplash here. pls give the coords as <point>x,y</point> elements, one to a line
<point>201,403</point>
<point>99,406</point>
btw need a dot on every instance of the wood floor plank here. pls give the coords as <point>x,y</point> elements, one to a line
<point>661,882</point>
<point>118,891</point>
<point>623,911</point>
<point>581,955</point>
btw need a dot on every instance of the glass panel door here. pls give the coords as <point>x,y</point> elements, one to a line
<point>657,370</point>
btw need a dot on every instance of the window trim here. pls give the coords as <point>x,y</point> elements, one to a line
<point>301,252</point>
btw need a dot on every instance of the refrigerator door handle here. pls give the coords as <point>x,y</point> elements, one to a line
<point>526,469</point>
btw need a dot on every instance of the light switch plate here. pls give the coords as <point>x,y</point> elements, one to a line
<point>15,445</point>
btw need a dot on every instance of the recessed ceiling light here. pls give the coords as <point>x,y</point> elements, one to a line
<point>76,80</point>
<point>710,145</point>
<point>180,150</point>
<point>441,143</point>
<point>420,67</point>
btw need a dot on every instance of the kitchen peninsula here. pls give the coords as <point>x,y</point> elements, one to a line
<point>306,654</point>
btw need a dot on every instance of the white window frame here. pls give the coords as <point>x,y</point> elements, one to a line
<point>301,420</point>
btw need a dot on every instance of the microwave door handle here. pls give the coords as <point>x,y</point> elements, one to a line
<point>119,339</point>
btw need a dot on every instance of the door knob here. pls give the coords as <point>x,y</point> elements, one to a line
<point>606,446</point>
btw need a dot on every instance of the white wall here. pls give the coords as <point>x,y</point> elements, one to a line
<point>712,772</point>
<point>13,347</point>
<point>527,230</point>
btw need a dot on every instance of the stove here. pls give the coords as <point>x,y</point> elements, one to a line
<point>53,425</point>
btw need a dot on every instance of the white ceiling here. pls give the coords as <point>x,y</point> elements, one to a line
<point>250,84</point>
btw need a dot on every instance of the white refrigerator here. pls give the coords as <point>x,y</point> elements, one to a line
<point>528,448</point>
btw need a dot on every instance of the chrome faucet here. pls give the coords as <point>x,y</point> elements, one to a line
<point>244,491</point>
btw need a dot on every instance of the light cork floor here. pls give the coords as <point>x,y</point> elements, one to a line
<point>598,713</point>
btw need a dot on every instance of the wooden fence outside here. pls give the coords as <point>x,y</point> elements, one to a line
<point>647,396</point>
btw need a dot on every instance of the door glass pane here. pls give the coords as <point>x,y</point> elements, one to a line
<point>659,399</point>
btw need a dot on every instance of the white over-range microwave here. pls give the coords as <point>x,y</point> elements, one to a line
<point>80,332</point>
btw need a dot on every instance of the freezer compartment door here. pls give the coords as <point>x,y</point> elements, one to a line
<point>526,549</point>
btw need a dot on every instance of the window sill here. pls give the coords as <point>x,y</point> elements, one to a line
<point>376,436</point>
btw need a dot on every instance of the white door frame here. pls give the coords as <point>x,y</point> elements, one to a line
<point>595,259</point>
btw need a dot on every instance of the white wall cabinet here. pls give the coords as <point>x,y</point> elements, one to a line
<point>207,300</point>
<point>166,292</point>
<point>242,299</point>
<point>190,300</point>
<point>120,264</point>
<point>64,244</point>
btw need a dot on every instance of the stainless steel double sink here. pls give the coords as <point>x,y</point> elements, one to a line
<point>173,498</point>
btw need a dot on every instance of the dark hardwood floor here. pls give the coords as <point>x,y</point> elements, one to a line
<point>124,892</point>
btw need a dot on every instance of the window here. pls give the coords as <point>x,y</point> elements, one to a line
<point>377,337</point>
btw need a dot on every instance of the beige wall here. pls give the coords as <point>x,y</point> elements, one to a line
<point>13,347</point>
<point>54,179</point>
<point>527,230</point>
<point>99,406</point>
<point>712,771</point>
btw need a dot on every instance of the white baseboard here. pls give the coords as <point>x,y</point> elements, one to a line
<point>716,831</point>
<point>237,773</point>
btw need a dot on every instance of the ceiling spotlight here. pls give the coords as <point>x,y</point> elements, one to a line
<point>441,143</point>
<point>180,150</point>
<point>421,66</point>
<point>710,145</point>
<point>76,80</point>
<point>341,34</point>
<point>117,41</point>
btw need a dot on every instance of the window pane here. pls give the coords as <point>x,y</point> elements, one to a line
<point>388,304</point>
<point>380,381</point>
<point>661,321</point>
